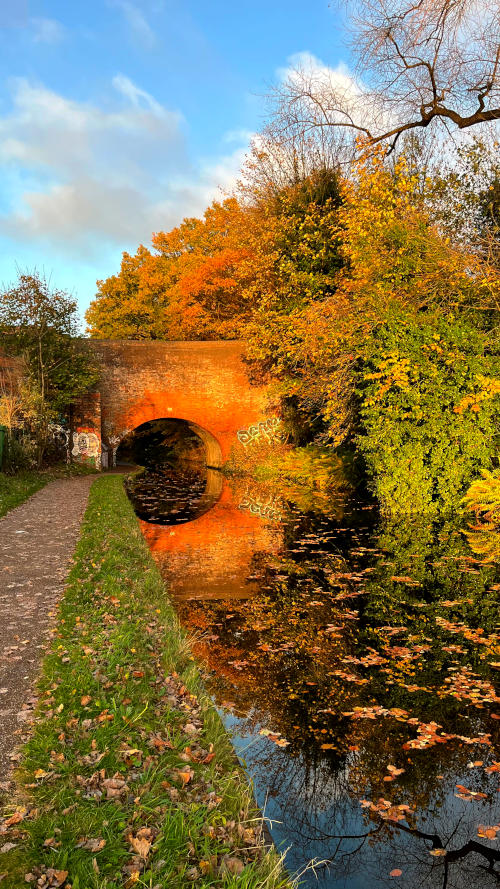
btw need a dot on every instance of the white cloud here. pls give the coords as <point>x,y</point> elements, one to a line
<point>305,62</point>
<point>342,96</point>
<point>83,177</point>
<point>47,30</point>
<point>132,92</point>
<point>139,27</point>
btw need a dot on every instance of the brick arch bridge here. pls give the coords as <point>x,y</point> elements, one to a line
<point>204,383</point>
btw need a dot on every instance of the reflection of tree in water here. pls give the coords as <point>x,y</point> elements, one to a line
<point>363,655</point>
<point>323,821</point>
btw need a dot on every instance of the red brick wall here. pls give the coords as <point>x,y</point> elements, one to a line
<point>202,382</point>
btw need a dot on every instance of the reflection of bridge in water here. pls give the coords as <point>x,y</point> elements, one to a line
<point>211,556</point>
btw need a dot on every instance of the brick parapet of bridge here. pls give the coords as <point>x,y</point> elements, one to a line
<point>202,382</point>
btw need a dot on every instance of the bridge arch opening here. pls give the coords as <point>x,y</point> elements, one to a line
<point>170,441</point>
<point>181,480</point>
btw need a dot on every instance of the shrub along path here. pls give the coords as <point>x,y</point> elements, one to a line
<point>37,540</point>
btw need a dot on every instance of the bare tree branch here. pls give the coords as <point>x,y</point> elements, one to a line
<point>418,63</point>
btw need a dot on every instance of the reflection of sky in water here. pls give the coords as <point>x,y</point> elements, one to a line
<point>305,807</point>
<point>313,798</point>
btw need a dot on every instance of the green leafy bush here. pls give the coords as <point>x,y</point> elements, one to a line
<point>429,410</point>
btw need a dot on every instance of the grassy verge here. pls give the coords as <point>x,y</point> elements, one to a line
<point>15,489</point>
<point>129,777</point>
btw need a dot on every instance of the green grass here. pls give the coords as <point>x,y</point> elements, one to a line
<point>121,698</point>
<point>15,489</point>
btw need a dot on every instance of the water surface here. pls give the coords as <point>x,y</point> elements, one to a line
<point>355,663</point>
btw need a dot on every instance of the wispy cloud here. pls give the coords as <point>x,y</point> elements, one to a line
<point>140,28</point>
<point>132,92</point>
<point>47,30</point>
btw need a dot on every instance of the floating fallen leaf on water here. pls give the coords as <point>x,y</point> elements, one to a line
<point>280,742</point>
<point>437,853</point>
<point>405,579</point>
<point>466,794</point>
<point>327,747</point>
<point>489,833</point>
<point>394,770</point>
<point>396,872</point>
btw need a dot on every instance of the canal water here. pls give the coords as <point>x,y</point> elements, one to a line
<point>355,663</point>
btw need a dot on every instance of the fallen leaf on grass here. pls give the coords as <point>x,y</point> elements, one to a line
<point>14,819</point>
<point>185,775</point>
<point>233,865</point>
<point>85,700</point>
<point>94,844</point>
<point>115,786</point>
<point>140,843</point>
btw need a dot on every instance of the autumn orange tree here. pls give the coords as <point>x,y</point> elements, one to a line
<point>188,287</point>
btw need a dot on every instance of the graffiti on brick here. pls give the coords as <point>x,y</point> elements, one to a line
<point>114,441</point>
<point>60,436</point>
<point>269,430</point>
<point>85,444</point>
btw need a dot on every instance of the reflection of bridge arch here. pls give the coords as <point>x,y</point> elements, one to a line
<point>179,447</point>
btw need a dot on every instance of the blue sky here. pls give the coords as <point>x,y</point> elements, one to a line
<point>120,117</point>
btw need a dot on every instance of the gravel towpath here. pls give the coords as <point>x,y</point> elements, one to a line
<point>37,540</point>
